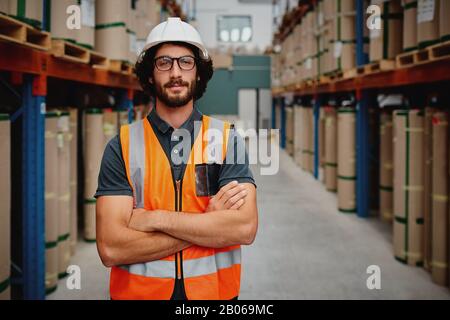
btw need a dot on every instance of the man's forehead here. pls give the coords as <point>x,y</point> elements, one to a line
<point>170,48</point>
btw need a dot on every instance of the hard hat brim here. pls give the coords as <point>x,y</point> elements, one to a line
<point>202,50</point>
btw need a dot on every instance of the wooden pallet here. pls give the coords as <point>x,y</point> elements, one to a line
<point>324,79</point>
<point>406,59</point>
<point>289,88</point>
<point>66,50</point>
<point>351,73</point>
<point>436,52</point>
<point>12,30</point>
<point>440,51</point>
<point>98,60</point>
<point>336,75</point>
<point>120,66</point>
<point>382,65</point>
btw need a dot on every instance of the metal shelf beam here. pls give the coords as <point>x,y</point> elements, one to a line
<point>17,58</point>
<point>430,72</point>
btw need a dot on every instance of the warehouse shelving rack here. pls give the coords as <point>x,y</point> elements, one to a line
<point>29,69</point>
<point>363,86</point>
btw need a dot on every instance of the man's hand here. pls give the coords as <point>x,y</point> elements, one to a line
<point>230,197</point>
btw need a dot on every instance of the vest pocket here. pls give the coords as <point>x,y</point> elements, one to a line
<point>207,179</point>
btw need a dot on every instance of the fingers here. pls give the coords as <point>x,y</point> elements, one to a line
<point>238,196</point>
<point>231,193</point>
<point>225,188</point>
<point>238,204</point>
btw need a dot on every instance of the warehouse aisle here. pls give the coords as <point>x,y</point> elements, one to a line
<point>305,249</point>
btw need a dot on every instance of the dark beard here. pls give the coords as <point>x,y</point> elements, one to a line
<point>177,101</point>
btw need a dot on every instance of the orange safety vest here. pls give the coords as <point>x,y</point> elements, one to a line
<point>208,273</point>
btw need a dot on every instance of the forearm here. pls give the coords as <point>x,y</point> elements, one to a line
<point>130,246</point>
<point>216,229</point>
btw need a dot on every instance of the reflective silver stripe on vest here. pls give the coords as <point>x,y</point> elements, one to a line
<point>154,269</point>
<point>210,264</point>
<point>217,125</point>
<point>137,161</point>
<point>191,268</point>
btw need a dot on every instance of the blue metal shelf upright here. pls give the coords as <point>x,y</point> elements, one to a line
<point>362,123</point>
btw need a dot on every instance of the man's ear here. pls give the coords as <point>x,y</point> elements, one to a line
<point>150,80</point>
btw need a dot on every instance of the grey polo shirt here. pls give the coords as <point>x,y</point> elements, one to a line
<point>112,179</point>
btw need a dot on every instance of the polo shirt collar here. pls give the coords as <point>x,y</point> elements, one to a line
<point>163,126</point>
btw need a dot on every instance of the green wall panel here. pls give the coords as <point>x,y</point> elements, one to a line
<point>221,96</point>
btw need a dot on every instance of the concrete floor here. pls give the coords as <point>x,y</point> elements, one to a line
<point>305,249</point>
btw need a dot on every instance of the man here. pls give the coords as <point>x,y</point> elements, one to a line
<point>172,229</point>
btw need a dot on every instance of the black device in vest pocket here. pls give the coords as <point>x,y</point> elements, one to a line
<point>207,179</point>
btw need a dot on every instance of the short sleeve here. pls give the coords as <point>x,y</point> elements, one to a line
<point>112,178</point>
<point>236,164</point>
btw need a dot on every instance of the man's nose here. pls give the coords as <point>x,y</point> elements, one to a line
<point>175,72</point>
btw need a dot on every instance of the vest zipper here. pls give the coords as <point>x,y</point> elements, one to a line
<point>179,292</point>
<point>177,208</point>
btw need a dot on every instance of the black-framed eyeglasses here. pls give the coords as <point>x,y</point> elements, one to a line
<point>165,63</point>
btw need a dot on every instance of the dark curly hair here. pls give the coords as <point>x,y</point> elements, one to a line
<point>145,66</point>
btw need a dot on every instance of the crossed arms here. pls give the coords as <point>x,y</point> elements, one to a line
<point>127,236</point>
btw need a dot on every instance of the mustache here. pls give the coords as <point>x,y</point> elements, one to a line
<point>176,83</point>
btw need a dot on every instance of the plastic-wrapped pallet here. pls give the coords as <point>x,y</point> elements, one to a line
<point>427,22</point>
<point>86,35</point>
<point>4,6</point>
<point>307,131</point>
<point>145,21</point>
<point>289,131</point>
<point>321,37</point>
<point>440,191</point>
<point>73,137</point>
<point>428,186</point>
<point>386,43</point>
<point>298,125</point>
<point>30,11</point>
<point>58,20</point>
<point>278,117</point>
<point>321,140</point>
<point>346,171</point>
<point>51,202</point>
<point>110,124</point>
<point>123,117</point>
<point>311,148</point>
<point>408,186</point>
<point>63,143</point>
<point>5,207</point>
<point>409,25</point>
<point>132,38</point>
<point>343,46</point>
<point>329,34</point>
<point>331,139</point>
<point>387,103</point>
<point>111,37</point>
<point>94,144</point>
<point>444,21</point>
<point>151,9</point>
<point>386,166</point>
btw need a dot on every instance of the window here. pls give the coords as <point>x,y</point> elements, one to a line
<point>234,28</point>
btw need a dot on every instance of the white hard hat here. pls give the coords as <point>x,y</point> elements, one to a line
<point>175,30</point>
